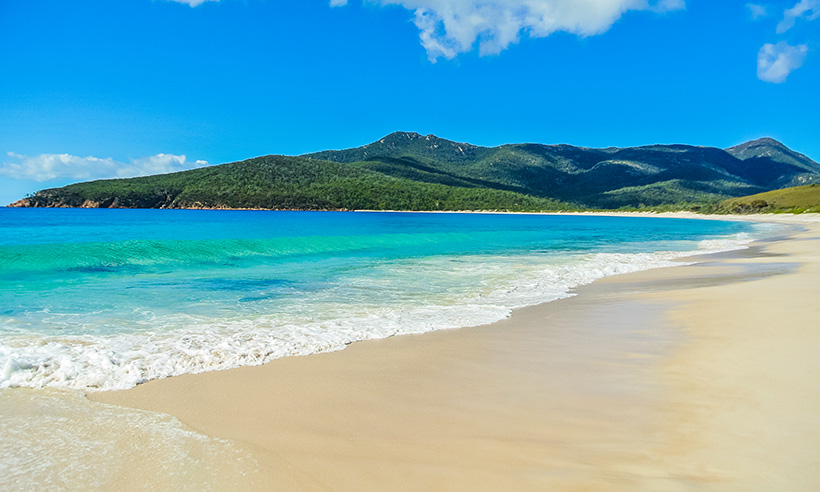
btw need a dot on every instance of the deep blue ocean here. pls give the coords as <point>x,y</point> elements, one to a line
<point>104,299</point>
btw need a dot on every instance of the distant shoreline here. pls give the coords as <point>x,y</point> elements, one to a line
<point>763,217</point>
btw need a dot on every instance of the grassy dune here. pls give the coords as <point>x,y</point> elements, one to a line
<point>797,199</point>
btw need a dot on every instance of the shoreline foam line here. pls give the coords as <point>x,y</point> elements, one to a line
<point>124,361</point>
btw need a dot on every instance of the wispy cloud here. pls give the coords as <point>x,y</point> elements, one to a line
<point>46,167</point>
<point>338,3</point>
<point>805,9</point>
<point>757,11</point>
<point>193,3</point>
<point>450,27</point>
<point>776,61</point>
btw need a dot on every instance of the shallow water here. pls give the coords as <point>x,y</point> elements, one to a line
<point>107,299</point>
<point>58,440</point>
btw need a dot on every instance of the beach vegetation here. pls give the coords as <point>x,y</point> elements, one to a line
<point>799,199</point>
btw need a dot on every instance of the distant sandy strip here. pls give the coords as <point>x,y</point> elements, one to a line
<point>701,377</point>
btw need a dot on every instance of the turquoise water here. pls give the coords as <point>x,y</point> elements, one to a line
<point>105,299</point>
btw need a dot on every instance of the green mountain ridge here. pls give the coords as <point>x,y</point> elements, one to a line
<point>410,171</point>
<point>603,178</point>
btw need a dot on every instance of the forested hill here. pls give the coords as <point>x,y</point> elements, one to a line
<point>283,183</point>
<point>409,171</point>
<point>605,178</point>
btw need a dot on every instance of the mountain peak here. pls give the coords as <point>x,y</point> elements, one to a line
<point>397,137</point>
<point>760,142</point>
<point>767,141</point>
<point>401,138</point>
<point>399,142</point>
<point>405,144</point>
<point>771,150</point>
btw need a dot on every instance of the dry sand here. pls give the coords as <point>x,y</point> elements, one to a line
<point>701,377</point>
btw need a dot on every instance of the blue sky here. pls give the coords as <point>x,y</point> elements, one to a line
<point>101,88</point>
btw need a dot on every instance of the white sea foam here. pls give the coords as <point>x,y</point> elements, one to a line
<point>59,440</point>
<point>191,344</point>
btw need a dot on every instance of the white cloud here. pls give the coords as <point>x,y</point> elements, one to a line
<point>808,9</point>
<point>338,3</point>
<point>46,167</point>
<point>450,27</point>
<point>757,11</point>
<point>193,3</point>
<point>776,61</point>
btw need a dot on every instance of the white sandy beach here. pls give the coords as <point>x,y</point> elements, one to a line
<point>699,377</point>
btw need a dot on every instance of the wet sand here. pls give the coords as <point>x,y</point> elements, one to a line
<point>698,377</point>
